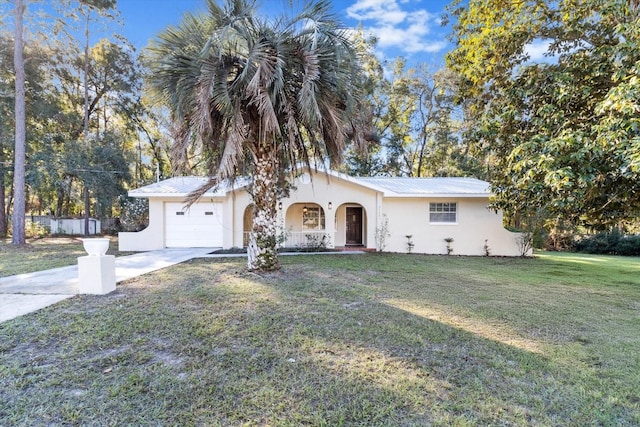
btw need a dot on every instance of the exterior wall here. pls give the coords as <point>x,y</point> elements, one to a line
<point>339,225</point>
<point>150,238</point>
<point>153,237</point>
<point>404,216</point>
<point>475,224</point>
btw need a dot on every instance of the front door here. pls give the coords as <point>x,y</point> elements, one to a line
<point>354,226</point>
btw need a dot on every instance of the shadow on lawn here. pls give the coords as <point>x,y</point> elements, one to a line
<point>208,343</point>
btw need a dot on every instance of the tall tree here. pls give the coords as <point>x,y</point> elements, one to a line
<point>54,67</point>
<point>41,110</point>
<point>18,234</point>
<point>86,7</point>
<point>99,95</point>
<point>418,124</point>
<point>432,144</point>
<point>7,117</point>
<point>260,93</point>
<point>564,130</point>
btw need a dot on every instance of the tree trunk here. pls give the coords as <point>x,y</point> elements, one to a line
<point>262,250</point>
<point>59,202</point>
<point>66,209</point>
<point>18,234</point>
<point>4,229</point>
<point>85,77</point>
<point>86,117</point>
<point>3,217</point>
<point>86,210</point>
<point>9,206</point>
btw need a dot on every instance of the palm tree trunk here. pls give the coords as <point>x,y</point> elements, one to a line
<point>262,251</point>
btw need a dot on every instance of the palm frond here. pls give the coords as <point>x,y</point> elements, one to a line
<point>196,194</point>
<point>235,143</point>
<point>236,83</point>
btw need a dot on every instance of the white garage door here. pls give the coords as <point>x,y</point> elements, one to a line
<point>200,226</point>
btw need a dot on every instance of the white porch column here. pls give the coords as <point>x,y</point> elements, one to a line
<point>281,226</point>
<point>330,223</point>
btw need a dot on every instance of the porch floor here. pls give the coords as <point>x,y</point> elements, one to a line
<point>359,248</point>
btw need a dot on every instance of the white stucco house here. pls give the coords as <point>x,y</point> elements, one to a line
<point>342,211</point>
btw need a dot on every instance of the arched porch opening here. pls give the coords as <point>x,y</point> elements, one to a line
<point>247,224</point>
<point>306,226</point>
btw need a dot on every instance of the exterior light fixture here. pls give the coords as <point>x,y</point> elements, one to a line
<point>304,210</point>
<point>330,205</point>
<point>280,205</point>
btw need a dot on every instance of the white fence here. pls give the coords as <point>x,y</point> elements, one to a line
<point>70,226</point>
<point>43,220</point>
<point>73,226</point>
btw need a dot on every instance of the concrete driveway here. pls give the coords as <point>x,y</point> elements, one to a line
<point>25,293</point>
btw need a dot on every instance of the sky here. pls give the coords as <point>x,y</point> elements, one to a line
<point>409,28</point>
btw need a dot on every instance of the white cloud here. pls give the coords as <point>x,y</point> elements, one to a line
<point>382,11</point>
<point>537,49</point>
<point>398,26</point>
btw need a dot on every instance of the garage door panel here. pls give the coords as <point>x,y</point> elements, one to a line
<point>198,226</point>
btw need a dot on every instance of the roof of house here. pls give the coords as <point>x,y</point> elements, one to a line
<point>180,186</point>
<point>389,186</point>
<point>402,187</point>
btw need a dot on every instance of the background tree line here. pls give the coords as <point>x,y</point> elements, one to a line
<point>117,147</point>
<point>557,139</point>
<point>129,139</point>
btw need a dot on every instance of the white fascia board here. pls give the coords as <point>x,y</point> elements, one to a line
<point>172,196</point>
<point>438,195</point>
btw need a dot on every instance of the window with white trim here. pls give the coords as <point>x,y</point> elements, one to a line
<point>313,218</point>
<point>443,212</point>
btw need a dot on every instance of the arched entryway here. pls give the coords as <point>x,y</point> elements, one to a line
<point>305,225</point>
<point>247,224</point>
<point>351,225</point>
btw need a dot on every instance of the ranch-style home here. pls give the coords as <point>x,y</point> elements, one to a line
<point>420,215</point>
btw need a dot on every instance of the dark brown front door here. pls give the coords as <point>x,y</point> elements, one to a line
<point>354,226</point>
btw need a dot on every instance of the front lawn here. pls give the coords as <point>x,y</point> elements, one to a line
<point>43,254</point>
<point>375,339</point>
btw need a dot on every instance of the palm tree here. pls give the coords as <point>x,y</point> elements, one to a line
<point>259,96</point>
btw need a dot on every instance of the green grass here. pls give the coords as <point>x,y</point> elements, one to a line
<point>338,340</point>
<point>43,254</point>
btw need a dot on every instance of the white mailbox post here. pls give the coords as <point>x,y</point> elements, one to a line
<point>97,271</point>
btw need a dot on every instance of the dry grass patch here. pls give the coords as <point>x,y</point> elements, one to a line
<point>337,340</point>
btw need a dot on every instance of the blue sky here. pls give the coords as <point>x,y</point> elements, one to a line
<point>410,28</point>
